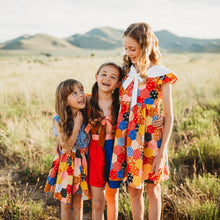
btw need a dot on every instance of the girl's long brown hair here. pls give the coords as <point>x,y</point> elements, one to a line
<point>96,112</point>
<point>144,36</point>
<point>64,89</point>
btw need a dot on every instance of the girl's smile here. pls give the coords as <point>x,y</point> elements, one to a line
<point>77,99</point>
<point>107,78</point>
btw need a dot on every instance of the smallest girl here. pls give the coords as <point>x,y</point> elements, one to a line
<point>67,178</point>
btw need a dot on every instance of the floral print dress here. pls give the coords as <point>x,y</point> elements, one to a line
<point>69,171</point>
<point>137,141</point>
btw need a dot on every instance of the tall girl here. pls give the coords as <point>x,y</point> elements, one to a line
<point>103,111</point>
<point>143,145</point>
<point>67,178</point>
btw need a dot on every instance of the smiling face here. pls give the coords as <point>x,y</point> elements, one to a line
<point>107,78</point>
<point>132,49</point>
<point>77,99</point>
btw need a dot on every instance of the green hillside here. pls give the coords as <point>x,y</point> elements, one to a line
<point>38,42</point>
<point>98,38</point>
<point>173,43</point>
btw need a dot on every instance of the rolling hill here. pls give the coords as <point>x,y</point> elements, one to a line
<point>176,44</point>
<point>38,42</point>
<point>99,38</point>
<point>108,38</point>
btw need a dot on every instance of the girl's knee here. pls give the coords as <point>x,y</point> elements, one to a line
<point>77,201</point>
<point>77,205</point>
<point>135,193</point>
<point>111,195</point>
<point>98,204</point>
<point>65,207</point>
<point>153,191</point>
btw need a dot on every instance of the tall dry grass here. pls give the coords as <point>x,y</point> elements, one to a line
<point>27,88</point>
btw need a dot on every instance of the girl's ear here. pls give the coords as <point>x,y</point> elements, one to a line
<point>96,77</point>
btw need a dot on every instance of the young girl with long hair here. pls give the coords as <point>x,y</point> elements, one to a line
<point>103,112</point>
<point>140,150</point>
<point>67,178</point>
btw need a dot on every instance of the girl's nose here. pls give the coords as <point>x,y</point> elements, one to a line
<point>81,94</point>
<point>108,77</point>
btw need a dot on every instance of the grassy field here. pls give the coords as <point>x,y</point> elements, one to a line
<point>27,145</point>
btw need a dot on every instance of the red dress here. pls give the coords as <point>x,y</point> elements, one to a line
<point>100,151</point>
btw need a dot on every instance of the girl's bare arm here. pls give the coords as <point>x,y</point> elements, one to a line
<point>167,128</point>
<point>68,145</point>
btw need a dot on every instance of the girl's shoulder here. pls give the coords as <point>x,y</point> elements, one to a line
<point>162,74</point>
<point>54,129</point>
<point>157,71</point>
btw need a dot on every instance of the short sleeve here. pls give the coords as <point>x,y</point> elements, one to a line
<point>169,77</point>
<point>57,119</point>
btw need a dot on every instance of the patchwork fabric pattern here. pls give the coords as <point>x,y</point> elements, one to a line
<point>137,141</point>
<point>69,172</point>
<point>68,175</point>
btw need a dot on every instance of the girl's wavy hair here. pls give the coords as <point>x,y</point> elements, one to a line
<point>144,36</point>
<point>64,89</point>
<point>96,112</point>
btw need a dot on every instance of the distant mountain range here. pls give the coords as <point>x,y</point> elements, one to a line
<point>107,38</point>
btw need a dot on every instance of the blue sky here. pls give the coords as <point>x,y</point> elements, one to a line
<point>62,18</point>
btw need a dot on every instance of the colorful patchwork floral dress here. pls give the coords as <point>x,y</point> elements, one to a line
<point>137,141</point>
<point>69,172</point>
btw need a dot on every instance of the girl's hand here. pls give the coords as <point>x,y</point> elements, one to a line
<point>66,150</point>
<point>78,119</point>
<point>58,147</point>
<point>158,164</point>
<point>159,122</point>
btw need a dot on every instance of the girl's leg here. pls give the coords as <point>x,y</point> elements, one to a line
<point>98,202</point>
<point>154,196</point>
<point>77,207</point>
<point>137,203</point>
<point>112,202</point>
<point>65,211</point>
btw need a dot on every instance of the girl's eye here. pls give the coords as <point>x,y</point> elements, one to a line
<point>74,93</point>
<point>113,77</point>
<point>81,91</point>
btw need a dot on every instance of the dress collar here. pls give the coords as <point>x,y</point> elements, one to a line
<point>133,76</point>
<point>157,71</point>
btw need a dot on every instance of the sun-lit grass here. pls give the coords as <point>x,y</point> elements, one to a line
<point>27,144</point>
<point>197,198</point>
<point>21,203</point>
